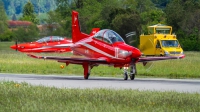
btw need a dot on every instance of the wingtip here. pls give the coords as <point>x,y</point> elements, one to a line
<point>182,56</point>
<point>33,56</point>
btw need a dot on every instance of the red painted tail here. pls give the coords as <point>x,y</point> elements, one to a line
<point>76,30</point>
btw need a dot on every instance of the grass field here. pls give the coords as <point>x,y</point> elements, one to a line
<point>16,62</point>
<point>21,97</point>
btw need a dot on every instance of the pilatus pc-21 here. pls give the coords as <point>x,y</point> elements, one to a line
<point>48,44</point>
<point>105,47</point>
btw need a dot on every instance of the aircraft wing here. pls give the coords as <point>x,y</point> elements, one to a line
<point>147,59</point>
<point>76,60</point>
<point>73,60</point>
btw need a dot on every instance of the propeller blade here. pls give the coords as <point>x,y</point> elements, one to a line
<point>130,37</point>
<point>16,46</point>
<point>130,34</point>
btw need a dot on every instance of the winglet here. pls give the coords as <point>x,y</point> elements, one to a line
<point>76,30</point>
<point>181,56</point>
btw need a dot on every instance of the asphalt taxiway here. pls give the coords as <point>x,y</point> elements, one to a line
<point>152,84</point>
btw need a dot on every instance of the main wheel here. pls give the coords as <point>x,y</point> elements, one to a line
<point>87,76</point>
<point>132,76</point>
<point>133,71</point>
<point>125,76</point>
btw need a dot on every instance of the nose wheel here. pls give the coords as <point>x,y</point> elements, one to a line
<point>125,75</point>
<point>132,72</point>
<point>132,76</point>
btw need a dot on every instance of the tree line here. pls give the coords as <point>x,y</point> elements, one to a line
<point>125,16</point>
<point>22,34</point>
<point>16,6</point>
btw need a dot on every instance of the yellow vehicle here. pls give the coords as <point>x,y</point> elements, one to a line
<point>159,42</point>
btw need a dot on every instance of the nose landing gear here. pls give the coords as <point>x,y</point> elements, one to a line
<point>125,75</point>
<point>133,72</point>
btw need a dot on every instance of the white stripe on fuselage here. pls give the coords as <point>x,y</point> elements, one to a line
<point>55,46</point>
<point>64,45</point>
<point>98,50</point>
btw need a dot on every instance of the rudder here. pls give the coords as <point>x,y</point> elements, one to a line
<point>76,30</point>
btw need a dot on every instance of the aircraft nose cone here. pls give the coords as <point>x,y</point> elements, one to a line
<point>136,53</point>
<point>13,47</point>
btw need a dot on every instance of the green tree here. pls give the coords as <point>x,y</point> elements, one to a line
<point>152,17</point>
<point>149,14</point>
<point>3,18</point>
<point>64,7</point>
<point>89,15</point>
<point>7,36</point>
<point>144,5</point>
<point>125,23</point>
<point>55,18</point>
<point>175,13</point>
<point>28,13</point>
<point>89,11</point>
<point>184,17</point>
<point>28,34</point>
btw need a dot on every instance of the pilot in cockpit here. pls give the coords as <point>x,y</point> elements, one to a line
<point>112,37</point>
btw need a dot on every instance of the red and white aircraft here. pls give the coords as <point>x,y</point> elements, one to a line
<point>105,47</point>
<point>48,44</point>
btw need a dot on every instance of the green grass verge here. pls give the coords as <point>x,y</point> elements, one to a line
<point>22,97</point>
<point>5,46</point>
<point>16,62</point>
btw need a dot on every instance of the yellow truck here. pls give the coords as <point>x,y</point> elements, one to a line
<point>160,42</point>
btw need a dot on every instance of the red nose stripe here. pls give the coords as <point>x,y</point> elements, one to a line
<point>13,46</point>
<point>136,53</point>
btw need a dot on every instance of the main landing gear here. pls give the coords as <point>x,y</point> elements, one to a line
<point>132,72</point>
<point>87,69</point>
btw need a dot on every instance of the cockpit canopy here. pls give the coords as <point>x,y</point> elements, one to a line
<point>108,36</point>
<point>50,39</point>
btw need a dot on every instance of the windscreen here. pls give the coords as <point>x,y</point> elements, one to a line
<point>163,30</point>
<point>108,36</point>
<point>50,38</point>
<point>169,43</point>
<point>45,39</point>
<point>57,38</point>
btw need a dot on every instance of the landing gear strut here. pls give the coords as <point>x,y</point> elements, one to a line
<point>125,75</point>
<point>87,69</point>
<point>133,72</point>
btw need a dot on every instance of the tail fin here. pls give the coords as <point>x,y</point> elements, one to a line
<point>94,31</point>
<point>76,30</point>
